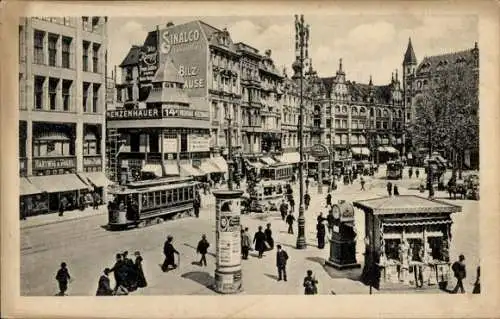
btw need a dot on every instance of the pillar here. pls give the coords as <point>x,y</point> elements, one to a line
<point>228,274</point>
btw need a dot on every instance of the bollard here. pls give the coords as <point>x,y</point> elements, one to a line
<point>228,277</point>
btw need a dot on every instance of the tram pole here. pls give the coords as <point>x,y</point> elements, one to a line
<point>229,153</point>
<point>301,238</point>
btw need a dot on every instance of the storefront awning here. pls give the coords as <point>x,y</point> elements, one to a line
<point>290,158</point>
<point>58,183</point>
<point>208,167</point>
<point>390,149</point>
<point>360,151</point>
<point>189,170</point>
<point>267,160</point>
<point>153,168</point>
<point>171,168</point>
<point>26,188</point>
<point>96,179</point>
<point>220,162</point>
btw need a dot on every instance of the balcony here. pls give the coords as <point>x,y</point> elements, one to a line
<point>54,162</point>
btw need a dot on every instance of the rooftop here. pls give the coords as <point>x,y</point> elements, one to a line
<point>405,204</point>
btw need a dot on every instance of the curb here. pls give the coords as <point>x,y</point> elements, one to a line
<point>60,221</point>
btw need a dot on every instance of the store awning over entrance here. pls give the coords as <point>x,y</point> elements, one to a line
<point>360,151</point>
<point>58,183</point>
<point>220,162</point>
<point>26,188</point>
<point>96,179</point>
<point>290,158</point>
<point>267,160</point>
<point>153,168</point>
<point>189,170</point>
<point>209,167</point>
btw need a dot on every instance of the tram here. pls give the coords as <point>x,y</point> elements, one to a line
<point>277,172</point>
<point>314,167</point>
<point>394,170</point>
<point>267,196</point>
<point>142,203</point>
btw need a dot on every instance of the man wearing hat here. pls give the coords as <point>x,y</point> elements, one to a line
<point>169,251</point>
<point>202,250</point>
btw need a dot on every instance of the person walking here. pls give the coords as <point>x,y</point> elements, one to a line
<point>329,199</point>
<point>95,200</point>
<point>310,284</point>
<point>362,181</point>
<point>169,251</point>
<point>140,279</point>
<point>292,203</point>
<point>259,241</point>
<point>129,271</point>
<point>459,272</point>
<point>320,218</point>
<point>320,228</point>
<point>329,219</point>
<point>63,204</point>
<point>307,200</point>
<point>410,172</point>
<point>119,271</point>
<point>417,172</point>
<point>104,286</point>
<point>307,184</point>
<point>197,204</point>
<point>283,209</point>
<point>245,243</point>
<point>389,188</point>
<point>281,259</point>
<point>396,190</point>
<point>202,249</point>
<point>63,278</point>
<point>290,219</point>
<point>269,237</point>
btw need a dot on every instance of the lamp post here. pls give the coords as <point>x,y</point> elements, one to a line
<point>330,171</point>
<point>229,151</point>
<point>303,31</point>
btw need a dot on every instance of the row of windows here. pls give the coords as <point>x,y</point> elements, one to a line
<point>44,148</point>
<point>52,86</point>
<point>166,197</point>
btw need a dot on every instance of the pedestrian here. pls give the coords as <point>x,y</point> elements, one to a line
<point>129,272</point>
<point>329,199</point>
<point>245,243</point>
<point>104,286</point>
<point>96,200</point>
<point>283,209</point>
<point>292,203</point>
<point>310,284</point>
<point>289,220</point>
<point>202,249</point>
<point>459,272</point>
<point>362,181</point>
<point>307,184</point>
<point>389,188</point>
<point>307,200</point>
<point>119,271</point>
<point>140,279</point>
<point>410,172</point>
<point>330,218</point>
<point>63,204</point>
<point>320,218</point>
<point>320,234</point>
<point>430,187</point>
<point>63,278</point>
<point>477,284</point>
<point>197,204</point>
<point>259,240</point>
<point>396,190</point>
<point>269,237</point>
<point>281,259</point>
<point>169,251</point>
<point>417,172</point>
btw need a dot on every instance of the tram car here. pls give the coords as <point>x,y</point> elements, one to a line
<point>314,167</point>
<point>277,172</point>
<point>394,170</point>
<point>267,196</point>
<point>143,203</point>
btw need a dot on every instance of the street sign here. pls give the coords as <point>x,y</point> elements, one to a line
<point>319,151</point>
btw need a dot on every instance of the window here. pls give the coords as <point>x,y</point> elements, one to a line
<point>379,113</point>
<point>53,38</point>
<point>386,113</point>
<point>95,57</point>
<point>130,93</point>
<point>38,90</point>
<point>53,93</point>
<point>378,124</point>
<point>95,24</point>
<point>95,97</point>
<point>66,94</point>
<point>344,109</point>
<point>344,123</point>
<point>384,125</point>
<point>85,95</point>
<point>337,109</point>
<point>328,123</point>
<point>38,47</point>
<point>354,124</point>
<point>85,61</point>
<point>354,111</point>
<point>66,45</point>
<point>85,23</point>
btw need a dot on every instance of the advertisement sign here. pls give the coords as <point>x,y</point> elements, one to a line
<point>169,144</point>
<point>319,151</point>
<point>148,58</point>
<point>56,163</point>
<point>185,45</point>
<point>198,143</point>
<point>151,114</point>
<point>228,233</point>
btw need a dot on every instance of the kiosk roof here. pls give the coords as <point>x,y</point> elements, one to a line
<point>405,204</point>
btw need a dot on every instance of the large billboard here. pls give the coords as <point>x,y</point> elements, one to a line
<point>148,58</point>
<point>186,46</point>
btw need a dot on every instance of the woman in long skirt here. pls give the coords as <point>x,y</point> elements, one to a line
<point>140,279</point>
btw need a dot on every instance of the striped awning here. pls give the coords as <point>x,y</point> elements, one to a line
<point>290,158</point>
<point>360,151</point>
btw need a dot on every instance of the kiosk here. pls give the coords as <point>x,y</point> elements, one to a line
<point>407,241</point>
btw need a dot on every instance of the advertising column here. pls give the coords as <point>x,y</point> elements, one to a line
<point>228,242</point>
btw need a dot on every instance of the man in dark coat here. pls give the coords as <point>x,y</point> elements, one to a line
<point>328,199</point>
<point>329,219</point>
<point>245,243</point>
<point>310,284</point>
<point>119,271</point>
<point>269,236</point>
<point>396,190</point>
<point>129,271</point>
<point>292,203</point>
<point>104,286</point>
<point>202,249</point>
<point>63,205</point>
<point>259,241</point>
<point>95,200</point>
<point>307,200</point>
<point>197,204</point>
<point>321,235</point>
<point>307,184</point>
<point>169,251</point>
<point>289,220</point>
<point>410,172</point>
<point>281,259</point>
<point>417,172</point>
<point>63,278</point>
<point>459,271</point>
<point>389,188</point>
<point>283,209</point>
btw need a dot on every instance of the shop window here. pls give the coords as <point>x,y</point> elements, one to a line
<point>53,93</point>
<point>95,97</point>
<point>38,47</point>
<point>53,38</point>
<point>85,96</point>
<point>38,91</point>
<point>66,94</point>
<point>66,52</point>
<point>95,57</point>
<point>85,56</point>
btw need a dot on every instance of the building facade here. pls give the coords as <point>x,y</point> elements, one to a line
<point>62,92</point>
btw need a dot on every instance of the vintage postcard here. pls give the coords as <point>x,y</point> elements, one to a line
<point>228,159</point>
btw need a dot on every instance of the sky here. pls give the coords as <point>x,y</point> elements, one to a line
<point>368,44</point>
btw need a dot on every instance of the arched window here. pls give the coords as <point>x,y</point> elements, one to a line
<point>371,112</point>
<point>337,109</point>
<point>355,140</point>
<point>386,113</point>
<point>344,109</point>
<point>354,111</point>
<point>379,113</point>
<point>400,114</point>
<point>362,111</point>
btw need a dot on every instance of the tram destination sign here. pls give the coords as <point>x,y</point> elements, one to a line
<point>150,114</point>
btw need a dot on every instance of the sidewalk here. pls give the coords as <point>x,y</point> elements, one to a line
<point>54,218</point>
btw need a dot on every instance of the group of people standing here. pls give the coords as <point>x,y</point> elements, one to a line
<point>129,276</point>
<point>262,240</point>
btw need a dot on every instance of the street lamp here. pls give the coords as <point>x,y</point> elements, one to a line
<point>303,31</point>
<point>330,171</point>
<point>229,150</point>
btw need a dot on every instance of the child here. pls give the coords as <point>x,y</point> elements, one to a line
<point>62,278</point>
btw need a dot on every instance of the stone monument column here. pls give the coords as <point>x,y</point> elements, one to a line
<point>228,279</point>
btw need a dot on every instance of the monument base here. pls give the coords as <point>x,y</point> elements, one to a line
<point>342,266</point>
<point>228,282</point>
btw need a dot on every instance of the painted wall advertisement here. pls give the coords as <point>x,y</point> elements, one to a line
<point>169,144</point>
<point>198,143</point>
<point>186,46</point>
<point>228,233</point>
<point>148,58</point>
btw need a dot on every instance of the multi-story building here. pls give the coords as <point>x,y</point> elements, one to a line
<point>419,77</point>
<point>62,91</point>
